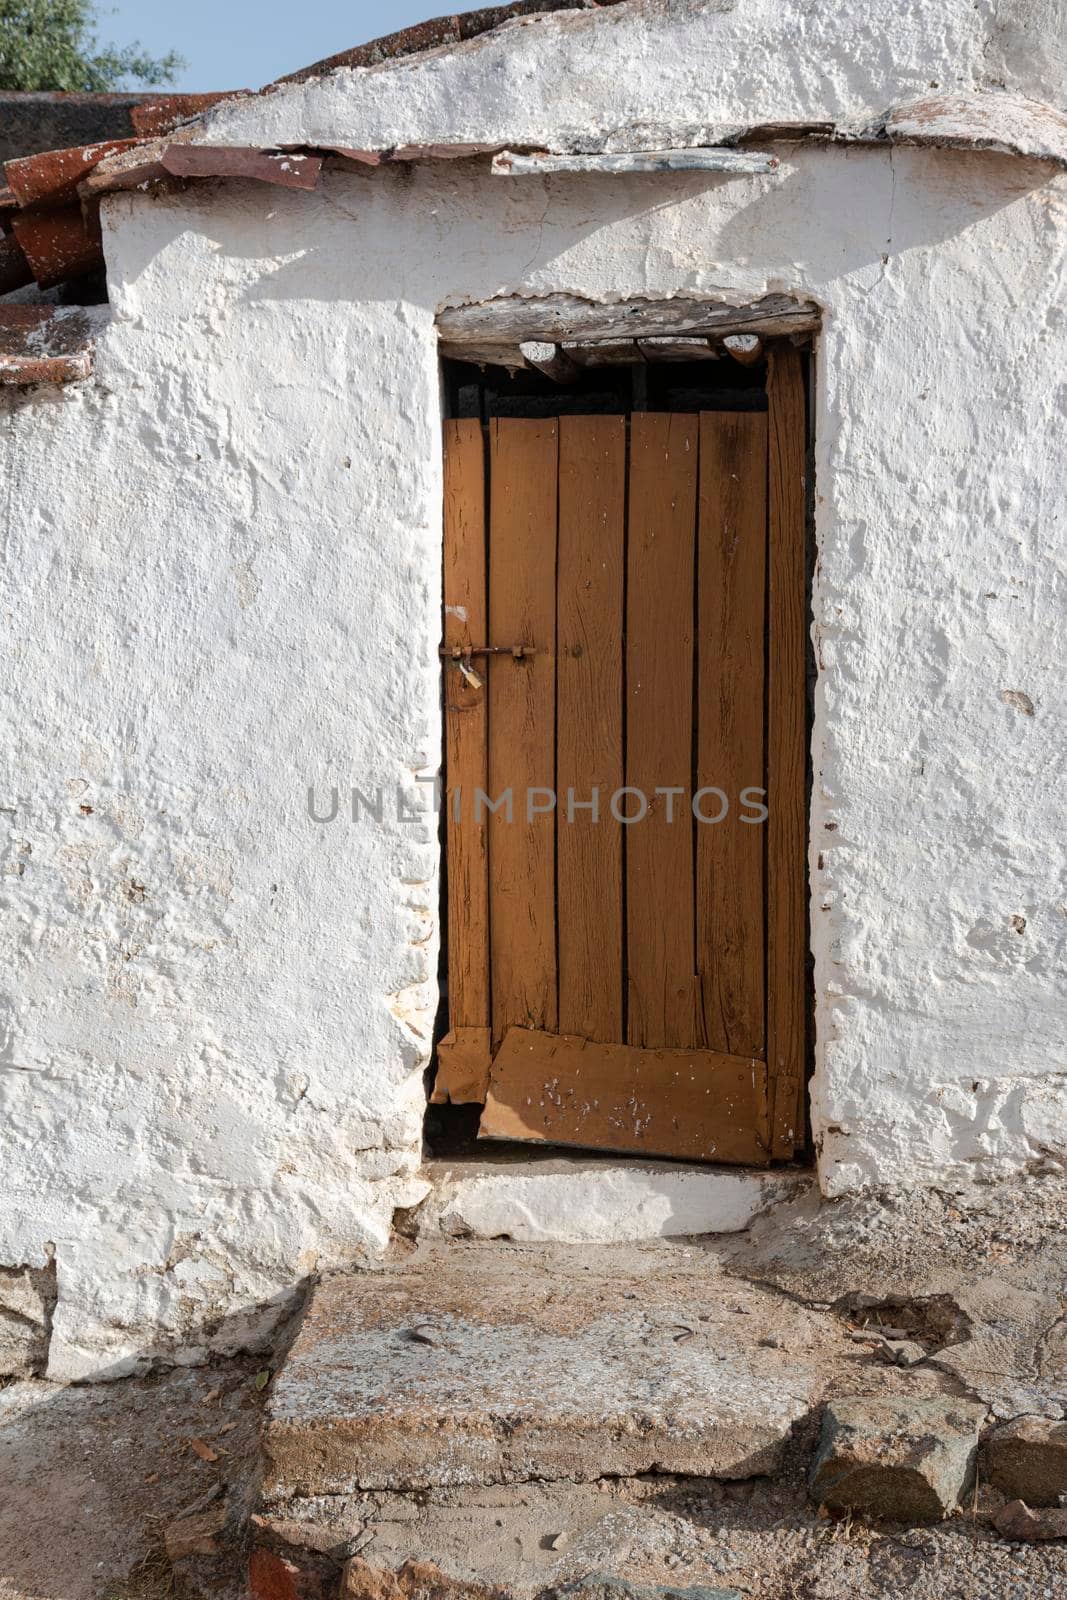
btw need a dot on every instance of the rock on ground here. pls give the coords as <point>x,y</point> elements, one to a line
<point>89,1476</point>
<point>904,1460</point>
<point>1027,1459</point>
<point>1017,1521</point>
<point>422,1580</point>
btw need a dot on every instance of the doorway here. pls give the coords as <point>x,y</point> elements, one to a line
<point>624,666</point>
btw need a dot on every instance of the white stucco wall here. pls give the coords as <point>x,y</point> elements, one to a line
<point>648,73</point>
<point>222,584</point>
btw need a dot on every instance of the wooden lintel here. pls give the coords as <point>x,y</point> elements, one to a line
<point>692,1105</point>
<point>562,318</point>
<point>550,360</point>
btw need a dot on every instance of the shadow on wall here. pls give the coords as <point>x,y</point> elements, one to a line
<point>28,1297</point>
<point>424,234</point>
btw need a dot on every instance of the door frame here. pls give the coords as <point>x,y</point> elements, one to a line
<point>511,332</point>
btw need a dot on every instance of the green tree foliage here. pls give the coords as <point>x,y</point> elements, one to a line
<point>52,44</point>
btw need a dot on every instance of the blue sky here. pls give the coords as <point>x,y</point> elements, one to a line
<point>243,44</point>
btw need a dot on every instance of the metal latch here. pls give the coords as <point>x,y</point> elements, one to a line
<point>456,652</point>
<point>462,656</point>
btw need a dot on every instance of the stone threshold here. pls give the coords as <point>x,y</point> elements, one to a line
<point>598,1200</point>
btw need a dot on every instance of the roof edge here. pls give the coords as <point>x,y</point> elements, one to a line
<point>455,28</point>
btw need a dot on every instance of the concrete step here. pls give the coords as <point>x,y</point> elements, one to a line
<point>488,1364</point>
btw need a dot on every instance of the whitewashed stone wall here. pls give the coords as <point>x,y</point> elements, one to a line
<point>222,562</point>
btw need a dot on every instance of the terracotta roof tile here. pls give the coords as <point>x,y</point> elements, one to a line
<point>53,177</point>
<point>163,115</point>
<point>15,270</point>
<point>46,344</point>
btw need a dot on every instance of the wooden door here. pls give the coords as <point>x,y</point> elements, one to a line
<point>625,752</point>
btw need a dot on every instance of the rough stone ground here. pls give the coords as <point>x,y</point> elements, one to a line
<point>89,1476</point>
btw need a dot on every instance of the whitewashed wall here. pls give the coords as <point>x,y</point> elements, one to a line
<point>222,584</point>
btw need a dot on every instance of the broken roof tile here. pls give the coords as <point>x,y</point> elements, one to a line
<point>58,244</point>
<point>1009,123</point>
<point>287,167</point>
<point>46,344</point>
<point>15,271</point>
<point>52,178</point>
<point>163,115</point>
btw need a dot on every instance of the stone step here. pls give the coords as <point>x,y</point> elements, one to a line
<point>483,1364</point>
<point>613,1540</point>
<point>599,1200</point>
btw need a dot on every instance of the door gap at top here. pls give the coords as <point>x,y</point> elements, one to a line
<point>622,390</point>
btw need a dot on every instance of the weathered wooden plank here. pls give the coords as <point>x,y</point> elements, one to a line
<point>464,1057</point>
<point>662,985</point>
<point>694,159</point>
<point>557,318</point>
<point>626,354</point>
<point>522,733</point>
<point>731,564</point>
<point>693,1105</point>
<point>592,513</point>
<point>786,825</point>
<point>461,1073</point>
<point>665,347</point>
<point>484,355</point>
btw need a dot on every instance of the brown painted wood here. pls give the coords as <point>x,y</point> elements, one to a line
<point>522,733</point>
<point>731,564</point>
<point>459,1077</point>
<point>592,524</point>
<point>661,958</point>
<point>786,830</point>
<point>694,1105</point>
<point>464,1057</point>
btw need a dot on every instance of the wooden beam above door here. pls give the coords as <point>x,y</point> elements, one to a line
<point>556,317</point>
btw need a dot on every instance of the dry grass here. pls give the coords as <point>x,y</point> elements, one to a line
<point>151,1578</point>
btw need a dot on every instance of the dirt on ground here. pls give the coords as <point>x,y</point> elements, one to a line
<point>91,1476</point>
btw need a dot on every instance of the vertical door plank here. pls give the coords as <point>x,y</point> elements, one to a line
<point>786,829</point>
<point>592,507</point>
<point>661,956</point>
<point>731,567</point>
<point>463,1056</point>
<point>522,733</point>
